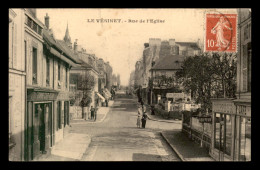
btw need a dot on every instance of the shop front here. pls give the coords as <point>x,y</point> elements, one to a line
<point>243,135</point>
<point>39,131</point>
<point>231,134</point>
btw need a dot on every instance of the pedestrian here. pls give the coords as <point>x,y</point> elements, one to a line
<point>92,110</point>
<point>152,110</point>
<point>95,114</point>
<point>106,102</point>
<point>138,123</point>
<point>144,119</point>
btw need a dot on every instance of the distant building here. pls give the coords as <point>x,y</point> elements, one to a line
<point>155,51</point>
<point>108,72</point>
<point>165,67</point>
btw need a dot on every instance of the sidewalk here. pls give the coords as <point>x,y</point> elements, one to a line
<point>101,115</point>
<point>186,149</point>
<point>158,118</point>
<point>71,148</point>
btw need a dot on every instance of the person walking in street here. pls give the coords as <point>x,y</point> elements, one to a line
<point>92,110</point>
<point>138,123</point>
<point>144,119</point>
<point>106,102</point>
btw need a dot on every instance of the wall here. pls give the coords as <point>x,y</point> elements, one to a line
<point>16,84</point>
<point>32,41</point>
<point>244,28</point>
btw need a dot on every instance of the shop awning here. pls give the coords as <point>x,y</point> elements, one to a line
<point>107,93</point>
<point>101,97</point>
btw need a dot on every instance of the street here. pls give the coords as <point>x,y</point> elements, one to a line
<point>118,139</point>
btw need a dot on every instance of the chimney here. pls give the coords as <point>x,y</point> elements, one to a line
<point>172,42</point>
<point>76,45</point>
<point>146,45</point>
<point>47,20</point>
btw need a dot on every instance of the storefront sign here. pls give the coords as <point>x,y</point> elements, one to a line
<point>205,119</point>
<point>175,95</point>
<point>224,107</point>
<point>41,96</point>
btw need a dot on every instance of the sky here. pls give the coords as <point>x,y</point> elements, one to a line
<point>122,44</point>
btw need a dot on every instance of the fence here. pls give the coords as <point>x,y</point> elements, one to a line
<point>199,132</point>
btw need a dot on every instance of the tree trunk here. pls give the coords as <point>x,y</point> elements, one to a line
<point>224,88</point>
<point>83,114</point>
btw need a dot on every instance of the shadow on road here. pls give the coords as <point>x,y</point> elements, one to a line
<point>146,157</point>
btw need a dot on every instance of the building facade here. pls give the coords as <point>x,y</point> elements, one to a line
<point>17,84</point>
<point>48,67</point>
<point>231,119</point>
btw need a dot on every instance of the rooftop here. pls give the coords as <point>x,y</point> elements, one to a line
<point>170,62</point>
<point>193,45</point>
<point>58,44</point>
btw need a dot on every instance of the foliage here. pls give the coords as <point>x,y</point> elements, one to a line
<point>86,83</point>
<point>209,75</point>
<point>72,101</point>
<point>85,101</point>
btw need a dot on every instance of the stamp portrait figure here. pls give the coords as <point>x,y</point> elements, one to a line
<point>219,31</point>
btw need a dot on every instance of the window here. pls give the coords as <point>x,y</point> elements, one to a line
<point>223,133</point>
<point>11,142</point>
<point>249,67</point>
<point>25,49</point>
<point>29,22</point>
<point>11,32</point>
<point>66,78</point>
<point>245,141</point>
<point>39,30</point>
<point>219,131</point>
<point>34,66</point>
<point>228,135</point>
<point>58,115</point>
<point>33,25</point>
<point>59,70</point>
<point>47,71</point>
<point>66,113</point>
<point>246,65</point>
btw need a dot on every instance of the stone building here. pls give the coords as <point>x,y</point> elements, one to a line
<point>47,85</point>
<point>102,74</point>
<point>166,66</point>
<point>87,66</point>
<point>155,51</point>
<point>108,72</point>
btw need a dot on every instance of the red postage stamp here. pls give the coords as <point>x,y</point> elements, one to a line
<point>221,33</point>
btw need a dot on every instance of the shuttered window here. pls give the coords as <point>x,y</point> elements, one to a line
<point>47,71</point>
<point>58,115</point>
<point>59,71</point>
<point>66,79</point>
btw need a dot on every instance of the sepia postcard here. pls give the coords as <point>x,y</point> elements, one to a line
<point>129,84</point>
